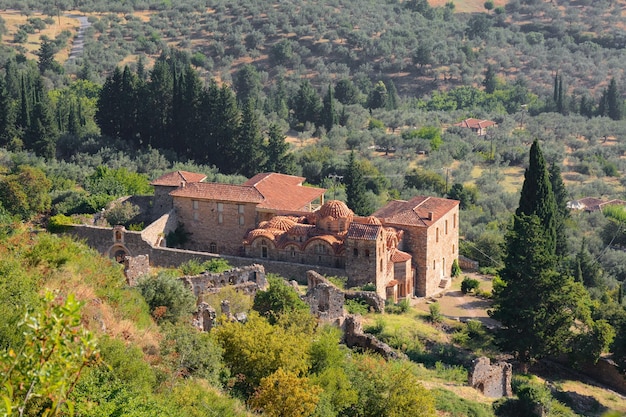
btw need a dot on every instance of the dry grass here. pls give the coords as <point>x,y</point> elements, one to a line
<point>466,6</point>
<point>13,19</point>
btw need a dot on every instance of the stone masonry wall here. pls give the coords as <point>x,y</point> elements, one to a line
<point>101,239</point>
<point>324,299</point>
<point>493,381</point>
<point>155,233</point>
<point>206,281</point>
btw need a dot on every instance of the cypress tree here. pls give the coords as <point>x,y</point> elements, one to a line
<point>537,306</point>
<point>392,95</point>
<point>537,197</point>
<point>614,106</point>
<point>329,115</point>
<point>355,188</point>
<point>560,197</point>
<point>6,114</point>
<point>108,108</point>
<point>490,81</point>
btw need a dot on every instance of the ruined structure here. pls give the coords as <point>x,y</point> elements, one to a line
<point>354,337</point>
<point>248,279</point>
<point>135,267</point>
<point>492,380</point>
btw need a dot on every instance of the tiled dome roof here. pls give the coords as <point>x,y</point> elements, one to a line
<point>372,220</point>
<point>335,209</point>
<point>280,223</point>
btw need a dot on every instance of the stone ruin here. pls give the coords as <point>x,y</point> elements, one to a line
<point>248,279</point>
<point>355,337</point>
<point>493,381</point>
<point>324,299</point>
<point>135,267</point>
<point>205,317</point>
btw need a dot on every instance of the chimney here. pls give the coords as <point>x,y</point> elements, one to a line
<point>430,215</point>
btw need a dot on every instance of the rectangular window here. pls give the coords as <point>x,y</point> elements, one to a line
<point>242,220</point>
<point>220,213</point>
<point>240,208</point>
<point>220,207</point>
<point>446,227</point>
<point>195,204</point>
<point>437,235</point>
<point>454,221</point>
<point>196,215</point>
<point>220,218</point>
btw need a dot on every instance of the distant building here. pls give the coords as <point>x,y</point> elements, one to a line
<point>590,204</point>
<point>476,125</point>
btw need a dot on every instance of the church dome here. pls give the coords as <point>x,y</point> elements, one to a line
<point>335,209</point>
<point>280,223</point>
<point>372,220</point>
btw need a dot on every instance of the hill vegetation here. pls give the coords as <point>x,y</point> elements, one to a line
<point>359,97</point>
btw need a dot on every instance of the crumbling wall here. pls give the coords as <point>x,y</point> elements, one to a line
<point>248,278</point>
<point>375,301</point>
<point>324,299</point>
<point>135,267</point>
<point>355,337</point>
<point>493,381</point>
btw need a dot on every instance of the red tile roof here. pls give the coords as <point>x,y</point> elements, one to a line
<point>472,123</point>
<point>400,256</point>
<point>220,192</point>
<point>283,192</point>
<point>419,211</point>
<point>175,178</point>
<point>363,231</point>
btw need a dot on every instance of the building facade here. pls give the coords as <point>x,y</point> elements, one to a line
<point>406,248</point>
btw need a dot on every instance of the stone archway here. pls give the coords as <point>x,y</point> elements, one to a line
<point>118,252</point>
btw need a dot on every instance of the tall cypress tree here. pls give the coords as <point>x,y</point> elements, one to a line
<point>490,82</point>
<point>537,197</point>
<point>537,306</point>
<point>329,115</point>
<point>6,114</point>
<point>355,188</point>
<point>614,105</point>
<point>560,197</point>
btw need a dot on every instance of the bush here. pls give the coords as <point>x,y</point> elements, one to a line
<point>178,237</point>
<point>356,307</point>
<point>456,269</point>
<point>435,315</point>
<point>455,406</point>
<point>369,287</point>
<point>400,308</point>
<point>278,299</point>
<point>121,214</point>
<point>469,285</point>
<point>194,267</point>
<point>59,223</point>
<point>167,297</point>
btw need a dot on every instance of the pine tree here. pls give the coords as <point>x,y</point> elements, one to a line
<point>306,105</point>
<point>108,108</point>
<point>278,158</point>
<point>392,95</point>
<point>250,156</point>
<point>247,84</point>
<point>329,115</point>
<point>356,192</point>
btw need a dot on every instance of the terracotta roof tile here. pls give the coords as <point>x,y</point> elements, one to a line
<point>400,256</point>
<point>220,192</point>
<point>363,231</point>
<point>283,192</point>
<point>175,178</point>
<point>472,123</point>
<point>416,212</point>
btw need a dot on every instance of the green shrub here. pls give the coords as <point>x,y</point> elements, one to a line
<point>136,227</point>
<point>369,287</point>
<point>167,297</point>
<point>122,213</point>
<point>435,315</point>
<point>59,223</point>
<point>339,282</point>
<point>469,285</point>
<point>195,267</point>
<point>178,237</point>
<point>377,328</point>
<point>356,307</point>
<point>451,373</point>
<point>278,299</point>
<point>400,308</point>
<point>456,269</point>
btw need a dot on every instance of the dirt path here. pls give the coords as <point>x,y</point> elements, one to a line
<point>455,304</point>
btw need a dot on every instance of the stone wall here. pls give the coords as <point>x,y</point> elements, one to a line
<point>103,240</point>
<point>135,267</point>
<point>467,264</point>
<point>155,233</point>
<point>373,300</point>
<point>325,299</point>
<point>355,338</point>
<point>205,282</point>
<point>493,381</point>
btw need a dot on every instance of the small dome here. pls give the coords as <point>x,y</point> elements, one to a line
<point>280,223</point>
<point>253,234</point>
<point>335,209</point>
<point>372,220</point>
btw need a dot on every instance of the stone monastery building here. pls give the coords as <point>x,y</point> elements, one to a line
<point>406,248</point>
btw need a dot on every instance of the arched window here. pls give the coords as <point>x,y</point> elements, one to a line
<point>213,247</point>
<point>437,235</point>
<point>367,253</point>
<point>263,249</point>
<point>355,252</point>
